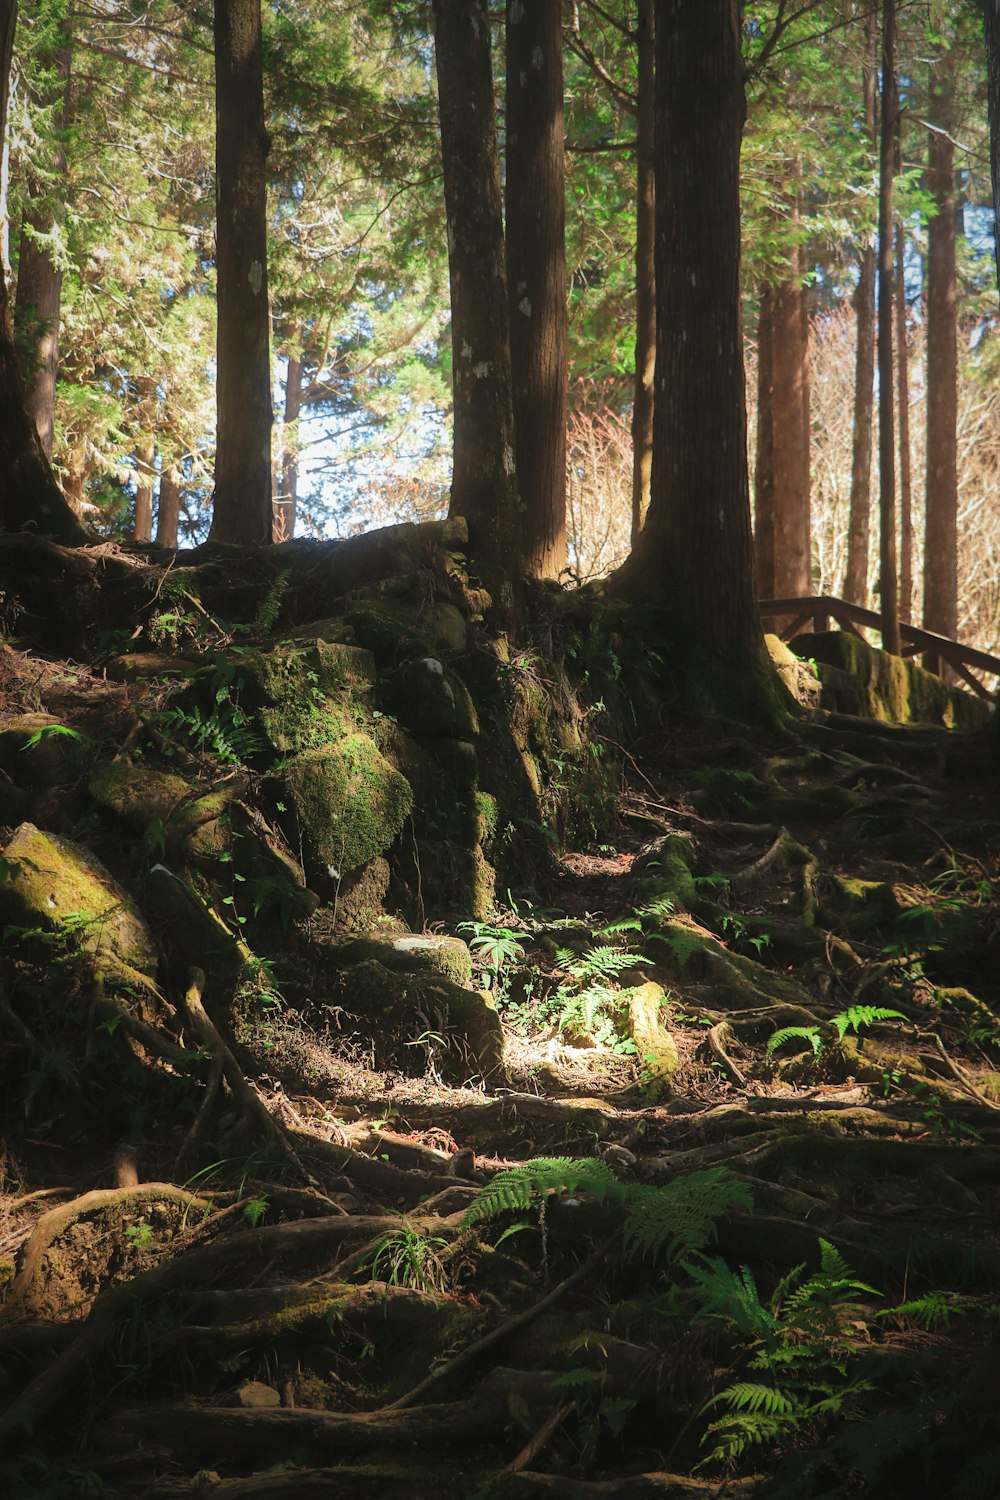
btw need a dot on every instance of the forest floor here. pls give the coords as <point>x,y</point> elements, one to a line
<point>772,1274</point>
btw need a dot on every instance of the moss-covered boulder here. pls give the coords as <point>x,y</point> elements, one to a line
<point>857,906</point>
<point>431,701</point>
<point>57,888</point>
<point>413,953</point>
<point>342,669</point>
<point>350,802</point>
<point>136,794</point>
<point>892,688</point>
<point>38,751</point>
<point>655,1047</point>
<point>425,1019</point>
<point>795,672</point>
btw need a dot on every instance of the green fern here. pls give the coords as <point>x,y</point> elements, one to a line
<point>535,1181</point>
<point>857,1016</point>
<point>810,1034</point>
<point>933,1311</point>
<point>732,1295</point>
<point>603,962</point>
<point>680,1217</point>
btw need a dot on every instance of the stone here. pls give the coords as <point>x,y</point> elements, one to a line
<point>38,751</point>
<point>350,802</point>
<point>141,666</point>
<point>136,794</point>
<point>891,688</point>
<point>431,701</point>
<point>255,1394</point>
<point>415,953</point>
<point>59,887</point>
<point>409,1011</point>
<point>342,669</point>
<point>450,630</point>
<point>193,931</point>
<point>655,1047</point>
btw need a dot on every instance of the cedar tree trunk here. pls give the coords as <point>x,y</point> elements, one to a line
<point>243,445</point>
<point>695,554</point>
<point>39,280</point>
<point>940,612</point>
<point>905,468</point>
<point>169,509</point>
<point>286,503</point>
<point>536,277</point>
<point>856,578</point>
<point>645,267</point>
<point>484,488</point>
<point>29,495</point>
<point>145,456</point>
<point>991,13</point>
<point>889,603</point>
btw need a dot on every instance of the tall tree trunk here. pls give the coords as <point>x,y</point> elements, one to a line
<point>29,495</point>
<point>536,277</point>
<point>145,455</point>
<point>991,13</point>
<point>38,297</point>
<point>243,445</point>
<point>905,467</point>
<point>782,523</point>
<point>940,612</point>
<point>856,579</point>
<point>889,602</point>
<point>484,488</point>
<point>695,552</point>
<point>168,509</point>
<point>286,503</point>
<point>645,266</point>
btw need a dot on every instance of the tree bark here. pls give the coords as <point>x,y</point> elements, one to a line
<point>145,455</point>
<point>484,488</point>
<point>38,298</point>
<point>782,535</point>
<point>29,495</point>
<point>243,444</point>
<point>536,277</point>
<point>905,470</point>
<point>856,578</point>
<point>169,508</point>
<point>286,502</point>
<point>991,15</point>
<point>695,554</point>
<point>889,602</point>
<point>940,612</point>
<point>645,267</point>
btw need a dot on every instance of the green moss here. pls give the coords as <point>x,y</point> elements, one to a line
<point>488,816</point>
<point>655,1047</point>
<point>350,802</point>
<point>414,953</point>
<point>137,795</point>
<point>894,689</point>
<point>57,754</point>
<point>57,887</point>
<point>342,669</point>
<point>858,905</point>
<point>391,629</point>
<point>664,873</point>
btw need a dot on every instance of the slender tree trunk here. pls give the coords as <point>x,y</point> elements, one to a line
<point>29,495</point>
<point>168,509</point>
<point>940,612</point>
<point>145,455</point>
<point>536,277</point>
<point>286,504</point>
<point>243,453</point>
<point>886,427</point>
<point>484,488</point>
<point>645,267</point>
<point>856,579</point>
<point>38,297</point>
<point>905,466</point>
<point>991,13</point>
<point>782,531</point>
<point>695,552</point>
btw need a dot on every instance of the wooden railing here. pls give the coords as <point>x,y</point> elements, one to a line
<point>819,610</point>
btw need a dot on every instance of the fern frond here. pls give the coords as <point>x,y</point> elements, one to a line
<point>623,924</point>
<point>517,1188</point>
<point>681,1216</point>
<point>733,1295</point>
<point>856,1016</point>
<point>747,1396</point>
<point>810,1034</point>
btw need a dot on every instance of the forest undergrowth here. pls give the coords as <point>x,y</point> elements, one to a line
<point>747,1246</point>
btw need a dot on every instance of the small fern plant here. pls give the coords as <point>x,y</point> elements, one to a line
<point>674,1220</point>
<point>801,1350</point>
<point>852,1019</point>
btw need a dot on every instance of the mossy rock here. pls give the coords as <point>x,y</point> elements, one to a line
<point>413,953</point>
<point>662,873</point>
<point>57,887</point>
<point>892,688</point>
<point>38,751</point>
<point>797,675</point>
<point>391,629</point>
<point>448,878</point>
<point>655,1047</point>
<point>858,906</point>
<point>400,1006</point>
<point>342,669</point>
<point>143,666</point>
<point>293,711</point>
<point>431,701</point>
<point>359,904</point>
<point>350,802</point>
<point>136,794</point>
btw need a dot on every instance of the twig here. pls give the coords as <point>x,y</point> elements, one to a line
<point>960,1076</point>
<point>532,1448</point>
